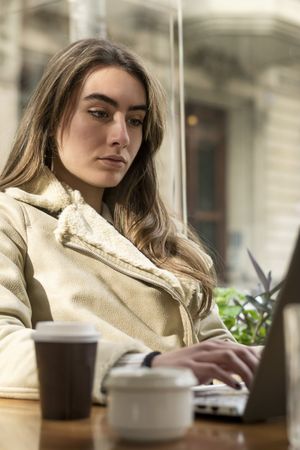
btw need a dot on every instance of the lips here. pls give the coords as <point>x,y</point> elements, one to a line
<point>113,158</point>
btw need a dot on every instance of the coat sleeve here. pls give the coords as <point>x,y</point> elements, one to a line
<point>18,370</point>
<point>212,327</point>
<point>17,359</point>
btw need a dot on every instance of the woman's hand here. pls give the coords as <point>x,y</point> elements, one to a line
<point>214,359</point>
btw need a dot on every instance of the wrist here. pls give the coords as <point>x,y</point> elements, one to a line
<point>149,359</point>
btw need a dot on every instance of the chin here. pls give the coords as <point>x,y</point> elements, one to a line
<point>108,183</point>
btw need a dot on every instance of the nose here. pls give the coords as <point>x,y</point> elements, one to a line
<point>118,136</point>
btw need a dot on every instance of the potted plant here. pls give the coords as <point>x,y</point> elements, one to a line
<point>248,316</point>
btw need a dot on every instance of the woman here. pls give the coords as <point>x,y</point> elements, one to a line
<point>85,236</point>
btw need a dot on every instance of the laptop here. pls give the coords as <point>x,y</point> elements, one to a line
<point>266,399</point>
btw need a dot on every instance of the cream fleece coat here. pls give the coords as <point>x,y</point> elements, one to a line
<point>60,260</point>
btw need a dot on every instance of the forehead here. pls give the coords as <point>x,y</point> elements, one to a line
<point>115,83</point>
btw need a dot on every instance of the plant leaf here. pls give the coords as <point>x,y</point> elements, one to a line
<point>263,279</point>
<point>256,304</point>
<point>230,311</point>
<point>269,278</point>
<point>276,288</point>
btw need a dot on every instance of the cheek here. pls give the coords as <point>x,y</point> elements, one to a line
<point>80,139</point>
<point>137,142</point>
<point>79,132</point>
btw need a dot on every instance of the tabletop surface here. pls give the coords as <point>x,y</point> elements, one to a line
<point>21,428</point>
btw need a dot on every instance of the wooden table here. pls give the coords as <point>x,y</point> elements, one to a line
<point>21,428</point>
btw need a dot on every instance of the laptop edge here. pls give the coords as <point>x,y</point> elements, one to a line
<point>268,391</point>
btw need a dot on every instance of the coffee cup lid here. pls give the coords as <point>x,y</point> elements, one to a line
<point>60,331</point>
<point>157,377</point>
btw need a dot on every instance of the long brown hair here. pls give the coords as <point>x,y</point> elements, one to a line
<point>139,212</point>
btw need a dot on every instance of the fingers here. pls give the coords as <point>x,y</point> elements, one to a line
<point>231,357</point>
<point>257,349</point>
<point>249,355</point>
<point>214,359</point>
<point>216,343</point>
<point>206,371</point>
<point>231,363</point>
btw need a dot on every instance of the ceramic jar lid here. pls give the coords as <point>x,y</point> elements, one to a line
<point>149,378</point>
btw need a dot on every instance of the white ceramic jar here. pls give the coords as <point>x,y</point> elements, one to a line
<point>150,404</point>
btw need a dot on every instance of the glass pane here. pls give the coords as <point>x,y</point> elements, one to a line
<point>151,29</point>
<point>32,31</point>
<point>237,61</point>
<point>44,30</point>
<point>208,233</point>
<point>28,38</point>
<point>206,176</point>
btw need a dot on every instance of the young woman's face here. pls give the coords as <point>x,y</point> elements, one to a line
<point>105,132</point>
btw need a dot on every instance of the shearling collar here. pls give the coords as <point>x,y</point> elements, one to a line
<point>78,221</point>
<point>45,192</point>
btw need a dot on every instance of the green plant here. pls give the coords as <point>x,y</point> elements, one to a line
<point>248,317</point>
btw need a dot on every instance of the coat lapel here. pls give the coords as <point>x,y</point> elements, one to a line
<point>83,222</point>
<point>78,221</point>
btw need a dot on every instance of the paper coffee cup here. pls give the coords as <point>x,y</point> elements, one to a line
<point>65,354</point>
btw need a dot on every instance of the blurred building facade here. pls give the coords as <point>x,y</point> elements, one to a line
<point>230,162</point>
<point>242,96</point>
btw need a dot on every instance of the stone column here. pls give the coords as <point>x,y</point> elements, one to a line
<point>87,19</point>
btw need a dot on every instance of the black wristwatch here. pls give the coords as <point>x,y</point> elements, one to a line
<point>147,362</point>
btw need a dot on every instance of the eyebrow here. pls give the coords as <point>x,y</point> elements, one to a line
<point>111,101</point>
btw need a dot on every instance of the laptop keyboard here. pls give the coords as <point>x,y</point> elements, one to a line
<point>220,400</point>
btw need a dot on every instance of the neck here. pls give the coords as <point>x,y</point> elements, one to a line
<point>93,197</point>
<point>91,194</point>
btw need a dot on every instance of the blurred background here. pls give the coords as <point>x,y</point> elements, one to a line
<point>230,162</point>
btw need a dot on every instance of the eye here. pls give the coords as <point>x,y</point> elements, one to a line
<point>135,122</point>
<point>98,113</point>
